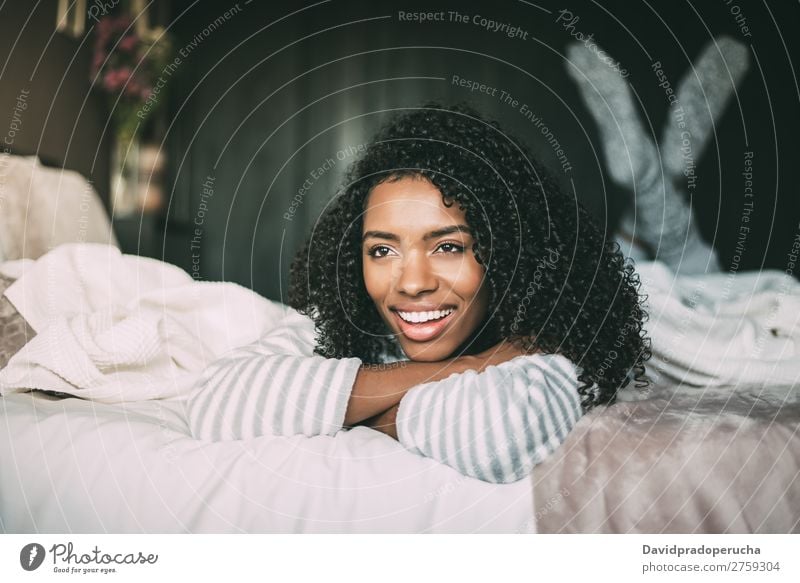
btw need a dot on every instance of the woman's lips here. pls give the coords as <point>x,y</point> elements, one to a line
<point>423,331</point>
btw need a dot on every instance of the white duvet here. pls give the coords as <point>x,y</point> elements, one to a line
<point>77,466</point>
<point>122,328</point>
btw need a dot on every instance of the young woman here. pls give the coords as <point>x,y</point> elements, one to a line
<point>450,296</point>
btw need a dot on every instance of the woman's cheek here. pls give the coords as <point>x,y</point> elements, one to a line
<point>376,280</point>
<point>465,279</point>
<point>369,281</point>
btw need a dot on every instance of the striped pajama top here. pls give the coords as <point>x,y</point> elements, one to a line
<point>494,425</point>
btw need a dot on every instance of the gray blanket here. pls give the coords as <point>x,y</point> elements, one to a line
<point>686,460</point>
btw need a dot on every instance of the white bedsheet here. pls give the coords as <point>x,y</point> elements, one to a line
<point>79,466</point>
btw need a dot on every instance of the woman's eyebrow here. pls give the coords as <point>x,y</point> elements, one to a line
<point>431,235</point>
<point>380,235</point>
<point>448,231</point>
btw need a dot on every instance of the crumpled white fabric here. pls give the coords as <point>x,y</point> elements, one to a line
<point>113,327</point>
<point>723,329</point>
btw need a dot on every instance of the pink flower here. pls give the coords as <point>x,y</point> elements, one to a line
<point>123,74</point>
<point>128,43</point>
<point>133,88</point>
<point>110,81</point>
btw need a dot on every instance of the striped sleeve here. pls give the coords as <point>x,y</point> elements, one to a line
<point>495,425</point>
<point>275,386</point>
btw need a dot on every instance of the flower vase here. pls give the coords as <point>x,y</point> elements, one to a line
<point>125,176</point>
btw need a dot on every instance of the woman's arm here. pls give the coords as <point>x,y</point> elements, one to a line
<point>377,388</point>
<point>278,386</point>
<point>385,422</point>
<point>275,386</point>
<point>495,425</point>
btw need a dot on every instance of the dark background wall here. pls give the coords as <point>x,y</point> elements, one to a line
<point>64,123</point>
<point>277,90</point>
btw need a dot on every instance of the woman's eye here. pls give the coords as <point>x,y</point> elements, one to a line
<point>451,248</point>
<point>379,251</point>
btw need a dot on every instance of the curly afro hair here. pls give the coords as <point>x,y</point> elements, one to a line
<point>558,285</point>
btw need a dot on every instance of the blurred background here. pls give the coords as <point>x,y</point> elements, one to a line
<point>216,132</point>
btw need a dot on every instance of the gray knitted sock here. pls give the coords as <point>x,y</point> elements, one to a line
<point>629,151</point>
<point>661,216</point>
<point>631,156</point>
<point>703,94</point>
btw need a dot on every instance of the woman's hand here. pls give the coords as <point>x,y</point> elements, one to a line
<point>378,388</point>
<point>385,422</point>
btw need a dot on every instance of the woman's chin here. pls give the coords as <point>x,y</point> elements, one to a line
<point>425,354</point>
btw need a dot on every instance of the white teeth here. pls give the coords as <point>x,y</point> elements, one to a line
<point>418,317</point>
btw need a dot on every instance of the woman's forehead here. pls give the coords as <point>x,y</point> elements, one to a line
<point>410,203</point>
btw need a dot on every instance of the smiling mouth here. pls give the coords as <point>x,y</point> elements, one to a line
<point>423,326</point>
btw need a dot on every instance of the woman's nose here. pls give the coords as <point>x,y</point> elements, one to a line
<point>416,275</point>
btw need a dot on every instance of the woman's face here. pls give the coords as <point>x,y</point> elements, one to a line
<point>420,270</point>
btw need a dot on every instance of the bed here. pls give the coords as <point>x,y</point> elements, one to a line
<point>713,445</point>
<point>659,466</point>
<point>677,458</point>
